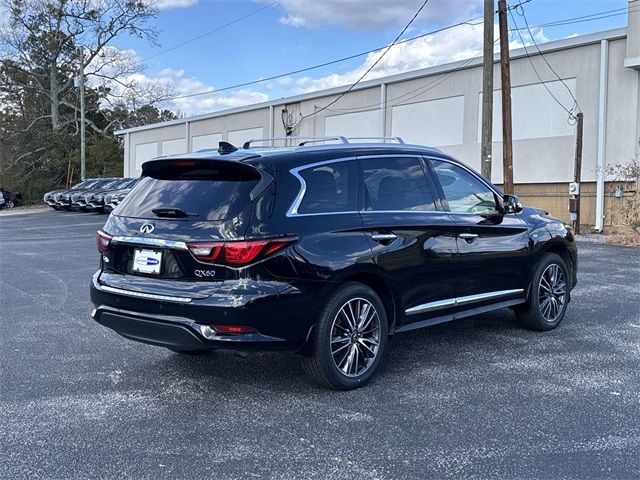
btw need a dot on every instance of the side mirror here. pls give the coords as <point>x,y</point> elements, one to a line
<point>511,204</point>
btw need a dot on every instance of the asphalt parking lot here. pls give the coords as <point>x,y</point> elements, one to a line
<point>477,398</point>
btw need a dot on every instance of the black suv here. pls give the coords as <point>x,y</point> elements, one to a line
<point>322,249</point>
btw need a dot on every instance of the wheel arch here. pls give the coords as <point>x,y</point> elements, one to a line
<point>563,251</point>
<point>558,247</point>
<point>371,279</point>
<point>382,288</point>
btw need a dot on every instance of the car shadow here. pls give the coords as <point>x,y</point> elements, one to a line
<point>469,340</point>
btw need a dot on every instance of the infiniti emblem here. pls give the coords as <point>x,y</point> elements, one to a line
<point>147,228</point>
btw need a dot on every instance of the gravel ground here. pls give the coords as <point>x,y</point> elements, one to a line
<point>478,398</point>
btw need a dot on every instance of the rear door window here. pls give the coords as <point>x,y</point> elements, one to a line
<point>395,184</point>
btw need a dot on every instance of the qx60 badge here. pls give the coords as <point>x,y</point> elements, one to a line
<point>204,273</point>
<point>147,228</point>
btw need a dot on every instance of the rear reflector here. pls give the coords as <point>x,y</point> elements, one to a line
<point>237,254</point>
<point>102,241</point>
<point>233,329</point>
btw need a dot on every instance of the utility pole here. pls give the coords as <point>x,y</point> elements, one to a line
<point>577,170</point>
<point>80,85</point>
<point>487,91</point>
<point>505,71</point>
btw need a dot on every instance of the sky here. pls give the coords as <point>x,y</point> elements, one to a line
<point>282,36</point>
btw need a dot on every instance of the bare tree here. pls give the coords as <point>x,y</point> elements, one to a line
<point>42,41</point>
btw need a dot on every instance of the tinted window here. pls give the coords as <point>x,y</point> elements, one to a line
<point>105,183</point>
<point>122,183</point>
<point>82,184</point>
<point>86,184</point>
<point>329,188</point>
<point>396,184</point>
<point>465,192</point>
<point>209,199</point>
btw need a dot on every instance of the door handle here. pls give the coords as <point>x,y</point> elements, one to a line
<point>468,236</point>
<point>384,237</point>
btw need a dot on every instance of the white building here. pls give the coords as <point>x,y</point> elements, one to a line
<point>441,106</point>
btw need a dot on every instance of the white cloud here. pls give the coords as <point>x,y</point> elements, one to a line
<point>516,38</point>
<point>451,45</point>
<point>133,85</point>
<point>459,43</point>
<point>183,84</point>
<point>167,4</point>
<point>371,14</point>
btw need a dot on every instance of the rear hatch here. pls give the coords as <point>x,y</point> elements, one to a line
<point>181,206</point>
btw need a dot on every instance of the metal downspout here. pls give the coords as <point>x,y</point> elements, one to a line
<point>271,133</point>
<point>383,109</point>
<point>602,130</point>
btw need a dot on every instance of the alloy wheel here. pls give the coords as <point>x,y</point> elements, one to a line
<point>355,337</point>
<point>552,290</point>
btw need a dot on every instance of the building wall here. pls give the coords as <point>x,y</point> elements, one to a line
<point>442,108</point>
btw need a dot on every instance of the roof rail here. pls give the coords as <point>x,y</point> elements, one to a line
<point>384,139</point>
<point>301,141</point>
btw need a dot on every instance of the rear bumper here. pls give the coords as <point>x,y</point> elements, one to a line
<point>179,333</point>
<point>281,317</point>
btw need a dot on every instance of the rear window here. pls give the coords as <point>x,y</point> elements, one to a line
<point>203,199</point>
<point>330,187</point>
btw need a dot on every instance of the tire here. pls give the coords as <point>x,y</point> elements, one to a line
<point>352,359</point>
<point>549,295</point>
<point>10,204</point>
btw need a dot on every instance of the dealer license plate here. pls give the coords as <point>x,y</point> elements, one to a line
<point>147,261</point>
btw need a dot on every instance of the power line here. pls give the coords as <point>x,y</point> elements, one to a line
<point>418,91</point>
<point>570,112</point>
<point>587,18</point>
<point>353,85</point>
<point>206,34</point>
<point>361,54</point>
<point>524,17</point>
<point>325,64</point>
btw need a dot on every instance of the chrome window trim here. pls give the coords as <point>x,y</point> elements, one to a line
<point>371,211</point>
<point>322,213</point>
<point>391,155</point>
<point>404,211</point>
<point>151,242</point>
<point>149,296</point>
<point>452,302</point>
<point>293,209</point>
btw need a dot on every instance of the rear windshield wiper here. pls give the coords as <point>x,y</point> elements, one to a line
<point>172,212</point>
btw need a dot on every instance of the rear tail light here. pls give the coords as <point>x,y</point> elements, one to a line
<point>237,254</point>
<point>102,241</point>
<point>205,252</point>
<point>243,253</point>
